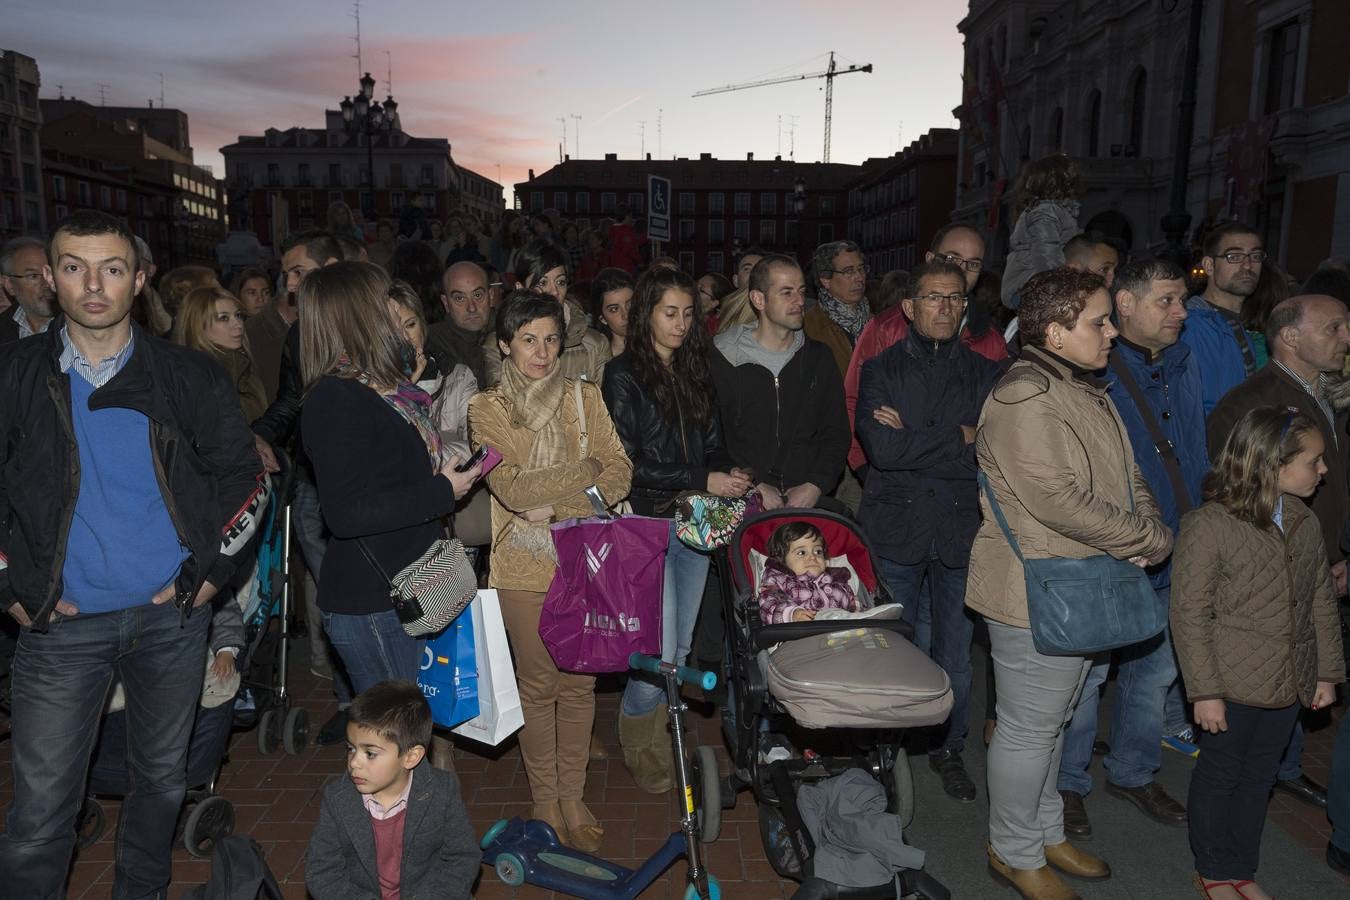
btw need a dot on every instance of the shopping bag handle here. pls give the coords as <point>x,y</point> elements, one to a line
<point>598,503</point>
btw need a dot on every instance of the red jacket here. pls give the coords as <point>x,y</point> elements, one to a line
<point>623,248</point>
<point>880,333</point>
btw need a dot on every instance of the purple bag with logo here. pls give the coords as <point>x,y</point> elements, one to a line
<point>605,599</point>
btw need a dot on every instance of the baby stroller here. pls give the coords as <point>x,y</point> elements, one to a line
<point>838,699</point>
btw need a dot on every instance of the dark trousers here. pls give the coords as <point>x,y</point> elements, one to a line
<point>61,682</point>
<point>1231,786</point>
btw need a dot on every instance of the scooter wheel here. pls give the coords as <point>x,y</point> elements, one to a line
<point>491,835</point>
<point>510,869</point>
<point>714,891</point>
<point>708,794</point>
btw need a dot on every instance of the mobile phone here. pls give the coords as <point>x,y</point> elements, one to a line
<point>478,456</point>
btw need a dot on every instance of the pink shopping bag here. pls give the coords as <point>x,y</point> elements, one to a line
<point>605,599</point>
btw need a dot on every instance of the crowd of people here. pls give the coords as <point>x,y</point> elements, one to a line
<point>1085,404</point>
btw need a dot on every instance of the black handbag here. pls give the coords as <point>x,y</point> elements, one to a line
<point>1081,607</point>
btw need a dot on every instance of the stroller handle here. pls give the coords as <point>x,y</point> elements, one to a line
<point>706,680</point>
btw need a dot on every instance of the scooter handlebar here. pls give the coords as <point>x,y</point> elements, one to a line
<point>705,680</point>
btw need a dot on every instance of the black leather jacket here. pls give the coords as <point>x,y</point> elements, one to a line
<point>668,457</point>
<point>206,466</point>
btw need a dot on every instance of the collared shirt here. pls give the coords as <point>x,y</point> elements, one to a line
<point>1318,392</point>
<point>100,373</point>
<point>379,812</point>
<point>25,329</point>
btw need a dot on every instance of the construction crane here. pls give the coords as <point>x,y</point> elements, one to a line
<point>831,72</point>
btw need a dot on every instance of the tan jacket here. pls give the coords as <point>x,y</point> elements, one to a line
<point>585,351</point>
<point>1061,465</point>
<point>1253,615</point>
<point>516,489</point>
<point>820,327</point>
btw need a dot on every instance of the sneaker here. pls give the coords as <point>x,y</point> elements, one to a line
<point>1182,742</point>
<point>955,780</point>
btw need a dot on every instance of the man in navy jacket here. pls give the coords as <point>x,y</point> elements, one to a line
<point>918,403</point>
<point>1148,363</point>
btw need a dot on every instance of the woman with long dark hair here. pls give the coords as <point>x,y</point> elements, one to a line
<point>611,296</point>
<point>660,396</point>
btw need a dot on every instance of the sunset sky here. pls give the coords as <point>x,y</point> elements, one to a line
<point>495,77</point>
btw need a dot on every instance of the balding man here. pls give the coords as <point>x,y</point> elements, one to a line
<point>1308,338</point>
<point>458,338</point>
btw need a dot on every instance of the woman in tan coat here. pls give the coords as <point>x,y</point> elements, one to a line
<point>1061,466</point>
<point>531,418</point>
<point>1257,633</point>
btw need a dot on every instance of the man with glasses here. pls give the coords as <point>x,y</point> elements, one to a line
<point>459,337</point>
<point>918,403</point>
<point>1233,258</point>
<point>21,262</point>
<point>836,320</point>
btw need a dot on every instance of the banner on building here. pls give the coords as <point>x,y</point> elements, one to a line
<point>1249,159</point>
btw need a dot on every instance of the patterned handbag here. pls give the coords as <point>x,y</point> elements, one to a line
<point>706,521</point>
<point>431,590</point>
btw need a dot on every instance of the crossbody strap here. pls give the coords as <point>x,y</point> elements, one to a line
<point>998,515</point>
<point>585,437</point>
<point>1166,449</point>
<point>370,558</point>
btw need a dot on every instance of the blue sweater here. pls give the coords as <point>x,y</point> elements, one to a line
<point>1171,386</point>
<point>1214,347</point>
<point>123,548</point>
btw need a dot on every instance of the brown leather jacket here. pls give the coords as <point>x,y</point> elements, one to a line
<point>820,327</point>
<point>1060,463</point>
<point>1253,612</point>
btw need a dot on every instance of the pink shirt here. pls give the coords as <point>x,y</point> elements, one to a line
<point>378,812</point>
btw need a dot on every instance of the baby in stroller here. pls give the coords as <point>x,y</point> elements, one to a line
<point>799,584</point>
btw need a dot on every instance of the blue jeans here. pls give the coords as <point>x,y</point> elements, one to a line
<point>374,648</point>
<point>944,633</point>
<point>1176,714</point>
<point>312,536</point>
<point>61,683</point>
<point>1145,673</point>
<point>681,597</point>
<point>1338,788</point>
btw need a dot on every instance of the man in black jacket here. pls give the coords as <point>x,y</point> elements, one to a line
<point>780,393</point>
<point>130,490</point>
<point>458,338</point>
<point>918,403</point>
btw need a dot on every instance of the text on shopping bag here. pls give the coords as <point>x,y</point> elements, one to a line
<point>449,675</point>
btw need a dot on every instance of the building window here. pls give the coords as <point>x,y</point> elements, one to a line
<point>61,211</point>
<point>768,203</point>
<point>791,236</point>
<point>335,174</point>
<point>608,202</point>
<point>583,202</point>
<point>58,188</point>
<point>30,210</point>
<point>717,231</point>
<point>687,261</point>
<point>30,177</point>
<point>104,196</point>
<point>1094,123</point>
<point>637,202</point>
<point>825,233</point>
<point>427,178</point>
<point>742,204</point>
<point>1057,131</point>
<point>395,201</point>
<point>302,175</point>
<point>27,144</point>
<point>768,232</point>
<point>84,194</point>
<point>1138,110</point>
<point>121,200</point>
<point>366,203</point>
<point>715,263</point>
<point>686,229</point>
<point>335,197</point>
<point>560,201</point>
<point>1281,66</point>
<point>716,203</point>
<point>536,201</point>
<point>827,206</point>
<point>273,175</point>
<point>686,203</point>
<point>740,230</point>
<point>305,200</point>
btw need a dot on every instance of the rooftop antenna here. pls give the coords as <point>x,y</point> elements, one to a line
<point>60,92</point>
<point>576,136</point>
<point>792,137</point>
<point>900,134</point>
<point>642,136</point>
<point>102,93</point>
<point>563,145</point>
<point>356,14</point>
<point>780,134</point>
<point>388,74</point>
<point>659,154</point>
<point>161,89</point>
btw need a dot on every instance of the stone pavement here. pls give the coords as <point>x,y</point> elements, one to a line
<point>275,799</point>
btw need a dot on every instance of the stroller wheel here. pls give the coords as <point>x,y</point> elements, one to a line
<point>269,731</point>
<point>295,734</point>
<point>707,786</point>
<point>90,824</point>
<point>901,801</point>
<point>209,821</point>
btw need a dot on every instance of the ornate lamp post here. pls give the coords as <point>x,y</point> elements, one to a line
<point>365,115</point>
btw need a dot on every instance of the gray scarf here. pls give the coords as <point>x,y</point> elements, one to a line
<point>850,317</point>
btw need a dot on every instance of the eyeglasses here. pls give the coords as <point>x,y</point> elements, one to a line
<point>31,277</point>
<point>936,299</point>
<point>853,271</point>
<point>970,265</point>
<point>1235,257</point>
<point>477,296</point>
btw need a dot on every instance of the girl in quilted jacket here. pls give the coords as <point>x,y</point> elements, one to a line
<point>1257,634</point>
<point>798,582</point>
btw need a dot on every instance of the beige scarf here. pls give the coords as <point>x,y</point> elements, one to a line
<point>536,405</point>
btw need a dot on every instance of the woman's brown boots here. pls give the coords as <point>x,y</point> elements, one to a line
<point>646,750</point>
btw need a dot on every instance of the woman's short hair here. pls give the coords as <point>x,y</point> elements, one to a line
<point>176,283</point>
<point>403,294</point>
<point>784,536</point>
<point>520,308</point>
<point>1054,296</point>
<point>194,315</point>
<point>1245,476</point>
<point>343,313</point>
<point>536,259</point>
<point>247,275</point>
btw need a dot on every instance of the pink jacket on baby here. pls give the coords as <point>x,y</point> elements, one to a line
<point>781,593</point>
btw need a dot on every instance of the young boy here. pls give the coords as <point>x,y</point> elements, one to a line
<point>395,828</point>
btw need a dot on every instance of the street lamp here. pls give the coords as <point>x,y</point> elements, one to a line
<point>365,115</point>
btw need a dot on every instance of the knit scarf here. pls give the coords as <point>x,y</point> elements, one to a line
<point>536,406</point>
<point>408,400</point>
<point>850,317</point>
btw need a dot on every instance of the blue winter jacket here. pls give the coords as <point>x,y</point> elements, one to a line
<point>1214,347</point>
<point>1171,384</point>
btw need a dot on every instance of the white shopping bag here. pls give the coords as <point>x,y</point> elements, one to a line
<point>499,714</point>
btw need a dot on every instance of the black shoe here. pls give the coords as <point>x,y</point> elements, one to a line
<point>1338,859</point>
<point>1076,821</point>
<point>955,781</point>
<point>1153,801</point>
<point>334,730</point>
<point>1305,789</point>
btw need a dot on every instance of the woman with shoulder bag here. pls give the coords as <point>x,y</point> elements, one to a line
<point>1061,474</point>
<point>531,418</point>
<point>660,395</point>
<point>384,478</point>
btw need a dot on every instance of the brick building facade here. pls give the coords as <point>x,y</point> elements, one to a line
<point>21,203</point>
<point>896,208</point>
